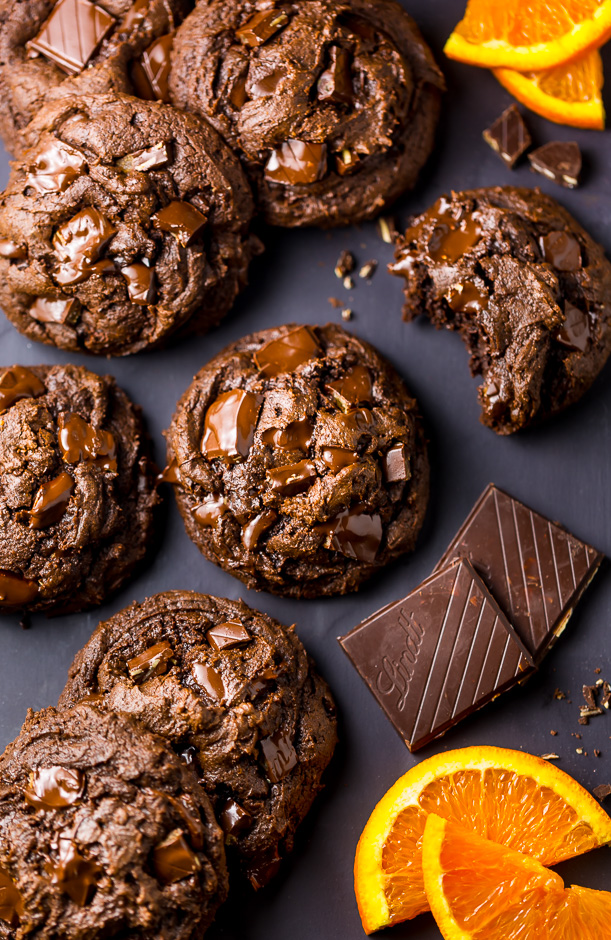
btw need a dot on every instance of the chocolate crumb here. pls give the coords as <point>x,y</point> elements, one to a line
<point>598,670</point>
<point>575,735</point>
<point>387,229</point>
<point>589,694</point>
<point>347,314</point>
<point>550,756</point>
<point>597,753</point>
<point>346,263</point>
<point>579,750</point>
<point>606,699</point>
<point>554,733</point>
<point>559,695</point>
<point>583,720</point>
<point>336,302</point>
<point>368,270</point>
<point>602,791</point>
<point>586,712</point>
<point>348,283</point>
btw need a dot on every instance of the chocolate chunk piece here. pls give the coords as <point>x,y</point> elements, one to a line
<point>154,661</point>
<point>562,250</point>
<point>140,283</point>
<point>292,479</point>
<point>51,502</point>
<point>253,530</point>
<point>55,167</point>
<point>395,464</point>
<point>61,310</point>
<point>559,161</point>
<point>292,349</point>
<point>12,250</point>
<point>338,458</point>
<point>79,242</point>
<point>54,787</point>
<point>233,818</point>
<point>438,654</point>
<point>17,383</point>
<point>74,874</point>
<point>355,533</point>
<point>602,792</point>
<point>509,136</point>
<point>78,440</point>
<point>575,332</point>
<point>536,570</point>
<point>297,163</point>
<point>355,388</point>
<point>229,426</point>
<point>173,859</point>
<point>72,34</point>
<point>261,27</point>
<point>149,158</point>
<point>210,680</point>
<point>210,511</point>
<point>228,635</point>
<point>295,436</point>
<point>150,74</point>
<point>279,755</point>
<point>16,592</point>
<point>11,901</point>
<point>335,83</point>
<point>182,220</point>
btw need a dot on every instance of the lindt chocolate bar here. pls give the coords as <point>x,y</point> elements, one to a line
<point>438,654</point>
<point>535,569</point>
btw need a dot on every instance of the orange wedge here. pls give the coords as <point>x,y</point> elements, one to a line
<point>479,890</point>
<point>529,35</point>
<point>515,799</point>
<point>569,94</point>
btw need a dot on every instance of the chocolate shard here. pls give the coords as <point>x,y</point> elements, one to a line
<point>602,792</point>
<point>261,27</point>
<point>285,354</point>
<point>154,661</point>
<point>229,425</point>
<point>55,787</point>
<point>355,533</point>
<point>508,136</point>
<point>228,635</point>
<point>173,859</point>
<point>78,244</point>
<point>11,901</point>
<point>11,250</point>
<point>211,510</point>
<point>338,458</point>
<point>297,163</point>
<point>396,464</point>
<point>233,818</point>
<point>210,681</point>
<point>295,436</point>
<point>147,159</point>
<point>438,654</point>
<point>559,161</point>
<point>182,220</point>
<point>140,283</point>
<point>55,168</point>
<point>279,755</point>
<point>17,383</point>
<point>72,34</point>
<point>575,332</point>
<point>151,72</point>
<point>536,570</point>
<point>355,388</point>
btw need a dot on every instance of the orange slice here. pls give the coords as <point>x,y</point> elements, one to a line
<point>568,94</point>
<point>529,34</point>
<point>515,799</point>
<point>479,890</point>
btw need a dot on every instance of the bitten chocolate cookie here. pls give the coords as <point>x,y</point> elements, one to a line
<point>77,488</point>
<point>235,692</point>
<point>50,49</point>
<point>104,832</point>
<point>125,222</point>
<point>332,105</point>
<point>299,461</point>
<point>526,287</point>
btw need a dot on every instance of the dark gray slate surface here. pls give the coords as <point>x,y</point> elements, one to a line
<point>562,470</point>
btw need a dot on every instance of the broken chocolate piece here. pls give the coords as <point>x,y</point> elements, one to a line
<point>253,530</point>
<point>78,440</point>
<point>140,283</point>
<point>210,511</point>
<point>575,331</point>
<point>355,388</point>
<point>55,787</point>
<point>295,436</point>
<point>16,591</point>
<point>11,902</point>
<point>44,310</point>
<point>562,250</point>
<point>51,502</point>
<point>335,83</point>
<point>210,681</point>
<point>288,351</point>
<point>297,163</point>
<point>150,74</point>
<point>233,818</point>
<point>338,458</point>
<point>536,570</point>
<point>13,251</point>
<point>279,755</point>
<point>395,464</point>
<point>508,136</point>
<point>55,168</point>
<point>292,479</point>
<point>229,425</point>
<point>79,242</point>
<point>354,533</point>
<point>228,635</point>
<point>75,875</point>
<point>438,654</point>
<point>266,86</point>
<point>147,159</point>
<point>72,34</point>
<point>17,383</point>
<point>602,791</point>
<point>261,27</point>
<point>559,161</point>
<point>152,662</point>
<point>182,220</point>
<point>173,859</point>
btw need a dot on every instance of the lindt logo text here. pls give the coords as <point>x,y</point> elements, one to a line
<point>395,677</point>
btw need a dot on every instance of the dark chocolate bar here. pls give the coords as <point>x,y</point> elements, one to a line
<point>438,654</point>
<point>508,136</point>
<point>535,569</point>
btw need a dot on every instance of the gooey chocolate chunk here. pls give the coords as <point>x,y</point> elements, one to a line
<point>78,244</point>
<point>229,425</point>
<point>11,901</point>
<point>55,787</point>
<point>153,662</point>
<point>16,591</point>
<point>253,530</point>
<point>210,511</point>
<point>292,479</point>
<point>285,354</point>
<point>55,168</point>
<point>74,874</point>
<point>467,298</point>
<point>210,681</point>
<point>233,818</point>
<point>228,635</point>
<point>78,440</point>
<point>150,74</point>
<point>140,283</point>
<point>61,310</point>
<point>72,34</point>
<point>279,755</point>
<point>297,163</point>
<point>355,388</point>
<point>173,859</point>
<point>338,458</point>
<point>266,86</point>
<point>295,436</point>
<point>562,250</point>
<point>261,27</point>
<point>335,83</point>
<point>17,383</point>
<point>11,250</point>
<point>355,533</point>
<point>182,220</point>
<point>51,502</point>
<point>149,158</point>
<point>575,332</point>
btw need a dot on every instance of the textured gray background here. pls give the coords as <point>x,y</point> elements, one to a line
<point>562,470</point>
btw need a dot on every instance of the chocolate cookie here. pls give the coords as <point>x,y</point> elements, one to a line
<point>126,221</point>
<point>235,692</point>
<point>50,49</point>
<point>299,461</point>
<point>526,287</point>
<point>332,105</point>
<point>77,488</point>
<point>104,832</point>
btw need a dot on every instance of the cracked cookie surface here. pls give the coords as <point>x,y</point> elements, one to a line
<point>526,287</point>
<point>77,488</point>
<point>235,692</point>
<point>104,832</point>
<point>126,222</point>
<point>332,105</point>
<point>299,461</point>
